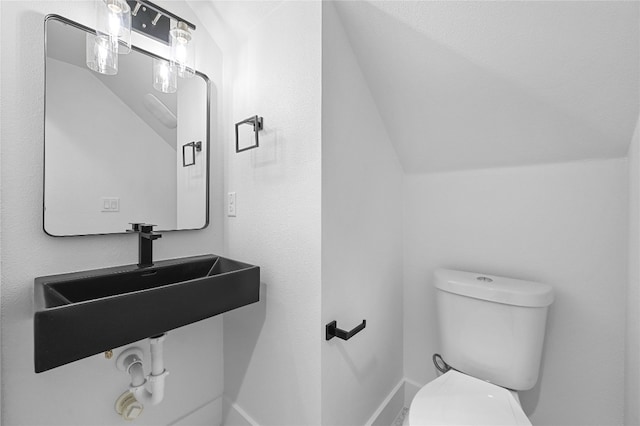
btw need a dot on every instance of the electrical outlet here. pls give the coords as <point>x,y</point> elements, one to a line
<point>231,204</point>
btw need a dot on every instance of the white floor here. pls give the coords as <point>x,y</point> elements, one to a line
<point>403,418</point>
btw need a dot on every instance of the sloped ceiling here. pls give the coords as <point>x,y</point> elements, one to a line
<point>478,84</point>
<point>229,21</point>
<point>464,85</point>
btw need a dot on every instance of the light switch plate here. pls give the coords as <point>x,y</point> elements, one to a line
<point>231,204</point>
<point>110,204</point>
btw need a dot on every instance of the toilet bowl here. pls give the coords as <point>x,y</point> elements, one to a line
<point>491,333</point>
<point>458,399</point>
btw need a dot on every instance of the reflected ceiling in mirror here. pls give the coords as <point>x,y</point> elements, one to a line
<point>114,144</point>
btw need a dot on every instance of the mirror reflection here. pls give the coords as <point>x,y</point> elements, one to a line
<point>116,149</point>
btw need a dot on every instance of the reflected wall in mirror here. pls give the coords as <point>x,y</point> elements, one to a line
<point>114,145</point>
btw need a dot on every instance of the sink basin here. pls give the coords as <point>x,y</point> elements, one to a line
<point>84,313</point>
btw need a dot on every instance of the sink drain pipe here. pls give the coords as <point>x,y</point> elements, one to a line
<point>155,379</point>
<point>147,390</point>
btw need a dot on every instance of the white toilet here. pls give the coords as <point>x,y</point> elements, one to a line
<point>491,332</point>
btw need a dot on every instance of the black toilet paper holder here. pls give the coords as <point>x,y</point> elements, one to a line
<point>332,330</point>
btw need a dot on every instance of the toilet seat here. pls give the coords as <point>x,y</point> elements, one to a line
<point>458,399</point>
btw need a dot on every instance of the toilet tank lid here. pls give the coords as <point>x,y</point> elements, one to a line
<point>508,291</point>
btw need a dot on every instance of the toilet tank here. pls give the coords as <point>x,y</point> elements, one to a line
<point>492,327</point>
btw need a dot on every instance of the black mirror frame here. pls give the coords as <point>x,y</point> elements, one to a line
<point>79,26</point>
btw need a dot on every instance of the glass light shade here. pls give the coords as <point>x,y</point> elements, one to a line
<point>165,76</point>
<point>183,52</point>
<point>113,18</point>
<point>102,54</point>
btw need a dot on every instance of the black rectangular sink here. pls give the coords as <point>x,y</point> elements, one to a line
<point>84,313</point>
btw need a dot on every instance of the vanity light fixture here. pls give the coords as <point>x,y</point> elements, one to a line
<point>112,36</point>
<point>183,52</point>
<point>165,76</point>
<point>163,26</point>
<point>116,19</point>
<point>102,54</point>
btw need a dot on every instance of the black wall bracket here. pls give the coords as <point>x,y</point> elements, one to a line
<point>189,150</point>
<point>152,20</point>
<point>332,330</point>
<point>258,124</point>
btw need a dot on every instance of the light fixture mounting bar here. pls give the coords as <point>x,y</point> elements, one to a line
<point>152,20</point>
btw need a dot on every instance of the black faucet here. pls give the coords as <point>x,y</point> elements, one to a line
<point>145,242</point>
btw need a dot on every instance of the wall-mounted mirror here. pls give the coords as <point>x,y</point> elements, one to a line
<point>114,145</point>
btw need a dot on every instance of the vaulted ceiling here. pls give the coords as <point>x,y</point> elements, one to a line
<point>484,84</point>
<point>477,84</point>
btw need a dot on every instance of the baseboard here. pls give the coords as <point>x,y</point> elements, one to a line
<point>399,397</point>
<point>411,388</point>
<point>390,407</point>
<point>208,414</point>
<point>234,415</point>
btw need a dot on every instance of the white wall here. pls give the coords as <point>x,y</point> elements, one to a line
<point>102,154</point>
<point>562,224</point>
<point>632,364</point>
<point>361,238</point>
<point>82,392</point>
<point>272,349</point>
